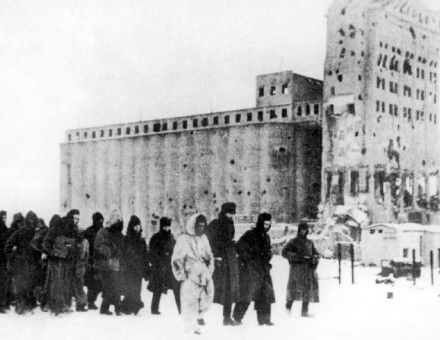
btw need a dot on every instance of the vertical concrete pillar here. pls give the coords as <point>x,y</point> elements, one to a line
<point>219,180</point>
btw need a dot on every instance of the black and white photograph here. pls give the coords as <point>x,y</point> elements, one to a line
<point>219,169</point>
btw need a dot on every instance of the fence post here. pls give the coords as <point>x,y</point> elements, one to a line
<point>414,265</point>
<point>352,262</point>
<point>339,262</point>
<point>431,262</point>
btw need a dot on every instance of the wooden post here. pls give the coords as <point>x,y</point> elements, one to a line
<point>339,262</point>
<point>352,262</point>
<point>414,265</point>
<point>431,262</point>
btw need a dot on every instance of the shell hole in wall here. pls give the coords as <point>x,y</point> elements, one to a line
<point>423,162</point>
<point>356,134</point>
<point>282,149</point>
<point>340,78</point>
<point>206,192</point>
<point>235,181</point>
<point>184,206</point>
<point>268,180</point>
<point>239,192</point>
<point>170,199</point>
<point>185,165</point>
<point>214,195</point>
<point>248,193</point>
<point>232,162</point>
<point>264,192</point>
<point>87,196</point>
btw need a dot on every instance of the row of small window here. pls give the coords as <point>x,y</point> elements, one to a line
<point>273,90</point>
<point>380,83</point>
<point>307,109</point>
<point>409,55</point>
<point>158,127</point>
<point>393,110</point>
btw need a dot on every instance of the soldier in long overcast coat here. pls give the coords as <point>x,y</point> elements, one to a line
<point>303,281</point>
<point>23,264</point>
<point>221,232</point>
<point>60,244</point>
<point>135,263</point>
<point>108,250</point>
<point>255,252</point>
<point>162,279</point>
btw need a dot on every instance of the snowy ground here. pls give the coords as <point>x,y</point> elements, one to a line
<point>360,311</point>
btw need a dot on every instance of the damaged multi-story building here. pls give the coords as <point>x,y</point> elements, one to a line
<point>368,135</point>
<point>380,123</point>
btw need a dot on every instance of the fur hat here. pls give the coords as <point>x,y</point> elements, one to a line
<point>164,222</point>
<point>303,226</point>
<point>262,218</point>
<point>229,207</point>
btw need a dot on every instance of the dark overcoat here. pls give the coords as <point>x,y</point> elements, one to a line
<point>22,260</point>
<point>303,260</point>
<point>91,277</point>
<point>254,254</point>
<point>60,245</point>
<point>221,234</point>
<point>161,249</point>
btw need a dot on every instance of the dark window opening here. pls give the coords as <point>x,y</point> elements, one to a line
<point>354,182</point>
<point>272,90</point>
<point>205,122</point>
<point>145,128</point>
<point>136,129</point>
<point>69,137</point>
<point>249,116</point>
<point>285,89</point>
<point>237,118</point>
<point>384,61</point>
<point>127,131</point>
<point>85,134</point>
<point>284,113</point>
<point>379,181</point>
<point>195,122</point>
<point>260,116</point>
<point>329,184</point>
<point>407,69</point>
<point>215,120</point>
<point>332,91</point>
<point>102,133</point>
<point>175,125</point>
<point>119,131</point>
<point>93,134</point>
<point>351,108</point>
<point>299,111</point>
<point>226,119</point>
<point>340,78</point>
<point>379,60</point>
<point>110,133</point>
<point>272,114</point>
<point>261,92</point>
<point>164,127</point>
<point>185,124</point>
<point>156,127</point>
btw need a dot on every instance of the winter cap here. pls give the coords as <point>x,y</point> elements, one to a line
<point>164,222</point>
<point>134,221</point>
<point>229,207</point>
<point>263,217</point>
<point>115,217</point>
<point>97,216</point>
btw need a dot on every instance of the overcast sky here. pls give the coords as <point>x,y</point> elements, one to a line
<point>68,64</point>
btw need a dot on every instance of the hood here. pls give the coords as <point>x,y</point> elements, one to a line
<point>31,219</point>
<point>191,224</point>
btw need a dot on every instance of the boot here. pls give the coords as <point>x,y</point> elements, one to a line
<point>81,308</point>
<point>230,322</point>
<point>92,306</point>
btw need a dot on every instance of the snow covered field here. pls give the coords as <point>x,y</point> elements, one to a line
<point>360,311</point>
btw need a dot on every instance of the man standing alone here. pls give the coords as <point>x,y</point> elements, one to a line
<point>221,234</point>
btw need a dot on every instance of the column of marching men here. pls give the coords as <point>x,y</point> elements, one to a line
<point>50,266</point>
